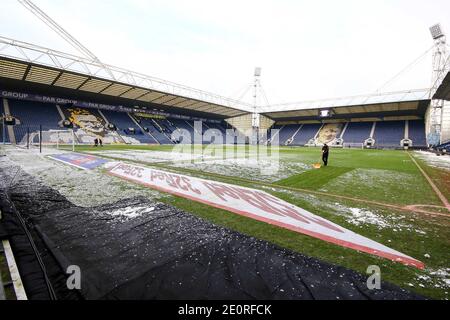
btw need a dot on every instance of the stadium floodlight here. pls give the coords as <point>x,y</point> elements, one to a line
<point>257,72</point>
<point>436,31</point>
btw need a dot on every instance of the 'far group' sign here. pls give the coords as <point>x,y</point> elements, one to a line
<point>258,205</point>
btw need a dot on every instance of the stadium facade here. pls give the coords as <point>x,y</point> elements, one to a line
<point>48,90</point>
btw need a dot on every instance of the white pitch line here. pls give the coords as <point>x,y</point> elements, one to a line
<point>14,271</point>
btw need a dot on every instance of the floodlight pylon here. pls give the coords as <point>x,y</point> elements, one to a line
<point>441,66</point>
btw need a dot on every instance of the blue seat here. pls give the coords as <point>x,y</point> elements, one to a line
<point>286,132</point>
<point>417,133</point>
<point>32,115</point>
<point>306,133</point>
<point>123,122</point>
<point>155,131</point>
<point>389,133</point>
<point>357,132</point>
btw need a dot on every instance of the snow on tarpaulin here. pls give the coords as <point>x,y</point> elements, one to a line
<point>81,161</point>
<point>258,205</point>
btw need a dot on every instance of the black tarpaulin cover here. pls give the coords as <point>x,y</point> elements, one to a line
<point>165,253</point>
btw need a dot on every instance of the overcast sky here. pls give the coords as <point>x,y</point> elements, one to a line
<point>307,49</point>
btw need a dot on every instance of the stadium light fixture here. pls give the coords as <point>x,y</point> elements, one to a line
<point>436,31</point>
<point>258,72</point>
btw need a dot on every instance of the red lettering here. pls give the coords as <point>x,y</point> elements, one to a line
<point>220,190</point>
<point>294,214</point>
<point>170,181</point>
<point>189,186</point>
<point>258,201</point>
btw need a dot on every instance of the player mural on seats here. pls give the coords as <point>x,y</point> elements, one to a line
<point>90,126</point>
<point>329,133</point>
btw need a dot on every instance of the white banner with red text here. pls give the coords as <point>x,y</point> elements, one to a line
<point>258,205</point>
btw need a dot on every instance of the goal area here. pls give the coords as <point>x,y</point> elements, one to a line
<point>54,138</point>
<point>353,145</point>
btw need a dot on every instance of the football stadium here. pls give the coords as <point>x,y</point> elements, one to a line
<point>119,185</point>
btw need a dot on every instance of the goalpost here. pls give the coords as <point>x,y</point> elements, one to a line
<point>57,138</point>
<point>353,145</point>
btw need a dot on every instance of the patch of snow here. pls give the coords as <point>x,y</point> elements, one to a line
<point>149,156</point>
<point>354,215</point>
<point>131,212</point>
<point>85,188</point>
<point>433,160</point>
<point>361,216</point>
<point>262,169</point>
<point>385,183</point>
<point>443,275</point>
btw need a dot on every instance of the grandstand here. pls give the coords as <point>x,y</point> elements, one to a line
<point>400,124</point>
<point>391,122</point>
<point>305,134</point>
<point>416,132</point>
<point>3,133</point>
<point>160,131</point>
<point>357,132</point>
<point>30,115</point>
<point>389,133</point>
<point>133,128</point>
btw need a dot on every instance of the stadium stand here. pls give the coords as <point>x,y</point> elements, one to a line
<point>306,133</point>
<point>32,115</point>
<point>123,123</point>
<point>357,132</point>
<point>220,126</point>
<point>192,125</point>
<point>156,129</point>
<point>417,133</point>
<point>2,113</point>
<point>182,124</point>
<point>388,134</point>
<point>286,132</point>
<point>166,125</point>
<point>215,130</point>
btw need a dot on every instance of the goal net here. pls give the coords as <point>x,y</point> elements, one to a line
<point>54,138</point>
<point>353,145</point>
